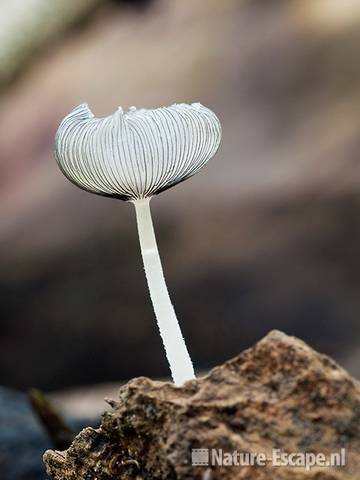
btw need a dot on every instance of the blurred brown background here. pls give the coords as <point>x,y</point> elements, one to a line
<point>265,237</point>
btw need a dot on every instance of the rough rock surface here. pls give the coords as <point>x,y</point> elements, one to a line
<point>278,394</point>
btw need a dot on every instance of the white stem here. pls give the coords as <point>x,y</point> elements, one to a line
<point>176,352</point>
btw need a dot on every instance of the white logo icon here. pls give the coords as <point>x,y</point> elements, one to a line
<point>200,456</point>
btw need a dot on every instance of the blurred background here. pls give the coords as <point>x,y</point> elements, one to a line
<point>265,237</point>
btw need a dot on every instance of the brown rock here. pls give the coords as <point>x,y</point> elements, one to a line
<point>279,394</point>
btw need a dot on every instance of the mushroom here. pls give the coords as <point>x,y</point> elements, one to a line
<point>133,156</point>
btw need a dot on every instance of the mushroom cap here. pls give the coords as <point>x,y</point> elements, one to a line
<point>136,154</point>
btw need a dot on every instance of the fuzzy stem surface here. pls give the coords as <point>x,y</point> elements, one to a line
<point>176,352</point>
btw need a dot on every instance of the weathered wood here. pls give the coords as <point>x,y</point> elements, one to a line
<point>280,394</point>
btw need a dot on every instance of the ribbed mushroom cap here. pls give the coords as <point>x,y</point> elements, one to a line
<point>136,154</point>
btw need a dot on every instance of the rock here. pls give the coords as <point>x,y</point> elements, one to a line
<point>280,394</point>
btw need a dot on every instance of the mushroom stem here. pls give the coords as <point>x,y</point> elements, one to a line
<point>176,352</point>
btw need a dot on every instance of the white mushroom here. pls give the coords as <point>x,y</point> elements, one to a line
<point>133,156</point>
